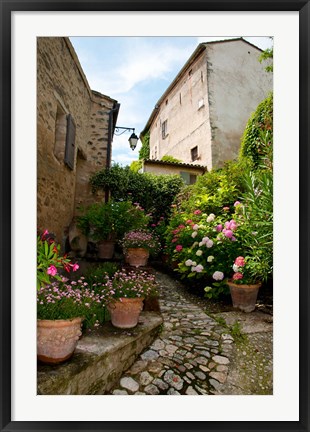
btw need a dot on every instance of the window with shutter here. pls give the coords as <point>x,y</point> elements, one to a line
<point>70,142</point>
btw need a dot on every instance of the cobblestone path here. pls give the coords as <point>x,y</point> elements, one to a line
<point>191,356</point>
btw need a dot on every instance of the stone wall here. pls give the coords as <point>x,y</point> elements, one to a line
<point>62,89</point>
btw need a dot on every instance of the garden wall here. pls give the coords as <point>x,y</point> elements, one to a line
<point>100,359</point>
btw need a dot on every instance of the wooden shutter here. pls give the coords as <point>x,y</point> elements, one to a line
<point>70,142</point>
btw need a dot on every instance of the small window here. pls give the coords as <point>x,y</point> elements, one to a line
<point>164,129</point>
<point>194,153</point>
<point>188,178</point>
<point>70,142</point>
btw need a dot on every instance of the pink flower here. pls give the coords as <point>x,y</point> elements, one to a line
<point>219,227</point>
<point>197,212</point>
<point>75,267</point>
<point>228,233</point>
<point>178,248</point>
<point>181,226</point>
<point>174,240</point>
<point>189,221</point>
<point>225,208</point>
<point>237,203</point>
<point>52,270</point>
<point>195,227</point>
<point>237,276</point>
<point>240,261</point>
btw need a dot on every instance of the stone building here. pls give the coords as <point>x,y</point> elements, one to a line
<point>75,128</point>
<point>202,115</point>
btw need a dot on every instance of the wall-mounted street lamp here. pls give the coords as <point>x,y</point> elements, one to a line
<point>133,139</point>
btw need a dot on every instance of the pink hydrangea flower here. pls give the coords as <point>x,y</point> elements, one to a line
<point>189,221</point>
<point>240,261</point>
<point>226,208</point>
<point>228,233</point>
<point>219,227</point>
<point>195,227</point>
<point>178,248</point>
<point>237,203</point>
<point>52,270</point>
<point>197,212</point>
<point>237,276</point>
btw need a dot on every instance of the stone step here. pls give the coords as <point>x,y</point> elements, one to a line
<point>101,357</point>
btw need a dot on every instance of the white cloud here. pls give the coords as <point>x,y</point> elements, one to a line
<point>142,62</point>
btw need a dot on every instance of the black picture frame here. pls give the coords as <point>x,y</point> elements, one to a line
<point>7,7</point>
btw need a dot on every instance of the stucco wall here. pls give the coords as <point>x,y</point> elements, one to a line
<point>62,88</point>
<point>187,121</point>
<point>169,169</point>
<point>237,83</point>
<point>210,103</point>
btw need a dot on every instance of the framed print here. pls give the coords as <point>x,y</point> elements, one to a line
<point>23,25</point>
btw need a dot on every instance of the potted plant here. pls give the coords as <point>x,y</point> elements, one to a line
<point>105,223</point>
<point>49,260</point>
<point>138,245</point>
<point>124,294</point>
<point>245,282</point>
<point>62,308</point>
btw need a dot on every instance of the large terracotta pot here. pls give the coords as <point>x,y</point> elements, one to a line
<point>57,339</point>
<point>137,257</point>
<point>244,296</point>
<point>125,312</point>
<point>106,249</point>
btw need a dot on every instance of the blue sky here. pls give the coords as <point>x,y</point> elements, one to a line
<point>136,71</point>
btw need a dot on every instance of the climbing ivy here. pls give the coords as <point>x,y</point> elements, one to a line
<point>144,152</point>
<point>257,140</point>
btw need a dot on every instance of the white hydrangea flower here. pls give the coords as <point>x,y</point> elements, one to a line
<point>209,244</point>
<point>188,262</point>
<point>194,234</point>
<point>199,252</point>
<point>210,258</point>
<point>195,227</point>
<point>218,275</point>
<point>235,268</point>
<point>199,268</point>
<point>211,217</point>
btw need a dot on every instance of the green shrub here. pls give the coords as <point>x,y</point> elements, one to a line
<point>97,272</point>
<point>155,194</point>
<point>213,190</point>
<point>168,158</point>
<point>257,139</point>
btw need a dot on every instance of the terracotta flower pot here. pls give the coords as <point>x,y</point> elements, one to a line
<point>125,312</point>
<point>244,296</point>
<point>106,249</point>
<point>57,339</point>
<point>137,257</point>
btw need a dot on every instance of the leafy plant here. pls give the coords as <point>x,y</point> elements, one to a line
<point>141,239</point>
<point>109,221</point>
<point>97,273</point>
<point>168,158</point>
<point>144,152</point>
<point>130,284</point>
<point>257,140</point>
<point>50,261</point>
<point>155,194</point>
<point>66,300</point>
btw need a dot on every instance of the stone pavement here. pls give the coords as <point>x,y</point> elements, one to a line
<point>196,354</point>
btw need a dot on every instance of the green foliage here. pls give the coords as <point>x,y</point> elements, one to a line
<point>50,261</point>
<point>97,273</point>
<point>155,194</point>
<point>111,220</point>
<point>135,166</point>
<point>213,190</point>
<point>257,220</point>
<point>144,152</point>
<point>67,300</point>
<point>257,140</point>
<point>168,158</point>
<point>267,55</point>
